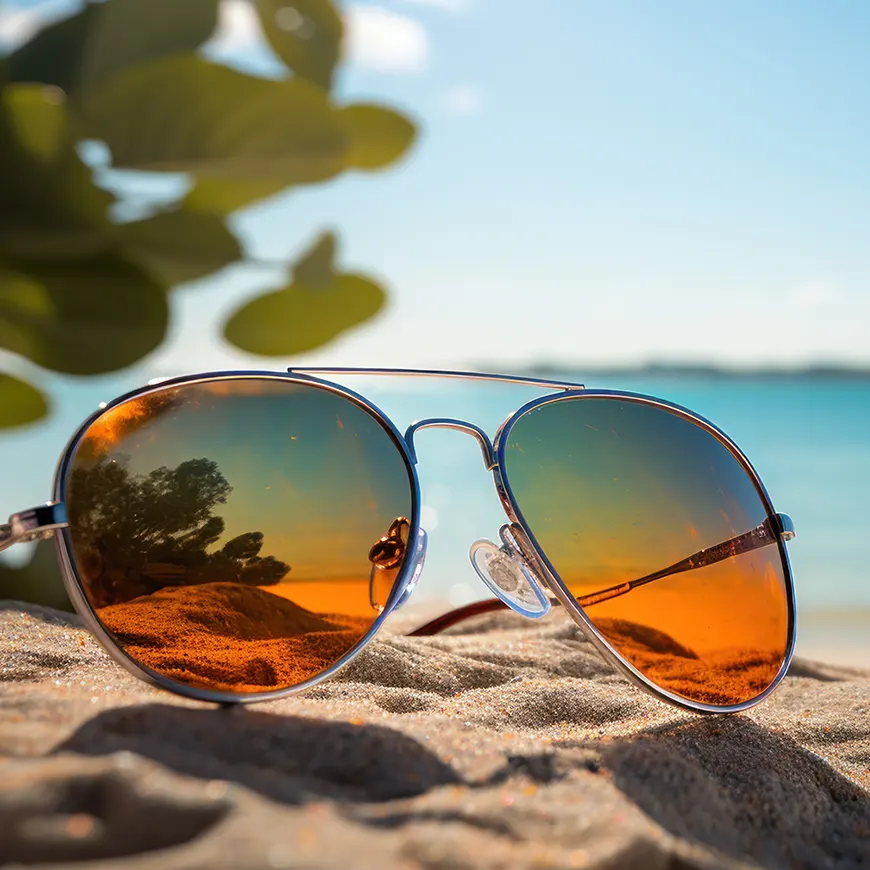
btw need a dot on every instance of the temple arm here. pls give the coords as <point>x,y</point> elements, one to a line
<point>32,525</point>
<point>771,530</point>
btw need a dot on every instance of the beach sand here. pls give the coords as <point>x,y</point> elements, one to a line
<point>503,743</point>
<point>231,637</point>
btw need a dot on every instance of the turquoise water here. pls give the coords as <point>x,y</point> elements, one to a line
<point>808,438</point>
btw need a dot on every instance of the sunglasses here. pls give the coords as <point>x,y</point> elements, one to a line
<point>240,536</point>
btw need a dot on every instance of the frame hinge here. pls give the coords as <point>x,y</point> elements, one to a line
<point>784,526</point>
<point>33,525</point>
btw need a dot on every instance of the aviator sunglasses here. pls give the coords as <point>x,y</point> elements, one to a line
<point>240,536</point>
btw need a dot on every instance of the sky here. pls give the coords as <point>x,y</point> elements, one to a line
<point>595,182</point>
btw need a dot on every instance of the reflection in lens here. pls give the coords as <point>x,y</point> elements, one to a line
<point>616,490</point>
<point>222,529</point>
<point>388,558</point>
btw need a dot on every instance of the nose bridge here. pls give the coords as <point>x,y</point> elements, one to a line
<point>464,426</point>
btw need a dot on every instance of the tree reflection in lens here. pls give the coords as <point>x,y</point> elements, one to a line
<point>141,533</point>
<point>156,535</point>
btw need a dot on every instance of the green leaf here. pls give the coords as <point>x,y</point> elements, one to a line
<point>299,318</point>
<point>318,305</point>
<point>316,267</point>
<point>180,245</point>
<point>377,136</point>
<point>185,114</point>
<point>54,55</point>
<point>83,316</point>
<point>305,34</point>
<point>129,32</point>
<point>49,206</point>
<point>20,402</point>
<point>37,120</point>
<point>92,46</point>
<point>224,195</point>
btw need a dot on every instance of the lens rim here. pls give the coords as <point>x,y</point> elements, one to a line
<point>561,591</point>
<point>73,582</point>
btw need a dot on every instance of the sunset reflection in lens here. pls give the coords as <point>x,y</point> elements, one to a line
<point>222,529</point>
<point>615,490</point>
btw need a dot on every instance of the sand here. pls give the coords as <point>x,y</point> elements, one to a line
<point>505,743</point>
<point>231,637</point>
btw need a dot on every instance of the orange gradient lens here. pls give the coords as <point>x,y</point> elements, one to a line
<point>221,529</point>
<point>618,491</point>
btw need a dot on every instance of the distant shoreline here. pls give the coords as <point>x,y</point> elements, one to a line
<point>688,370</point>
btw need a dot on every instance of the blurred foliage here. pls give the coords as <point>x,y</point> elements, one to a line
<point>21,402</point>
<point>317,304</point>
<point>83,292</point>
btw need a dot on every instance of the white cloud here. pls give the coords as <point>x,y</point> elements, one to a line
<point>383,41</point>
<point>18,25</point>
<point>238,28</point>
<point>375,37</point>
<point>463,100</point>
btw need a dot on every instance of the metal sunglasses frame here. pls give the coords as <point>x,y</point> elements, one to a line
<point>50,520</point>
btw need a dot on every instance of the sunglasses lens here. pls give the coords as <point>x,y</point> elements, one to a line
<point>616,491</point>
<point>222,529</point>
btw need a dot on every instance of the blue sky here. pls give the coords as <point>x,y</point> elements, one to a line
<point>595,181</point>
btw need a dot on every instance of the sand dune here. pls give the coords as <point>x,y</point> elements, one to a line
<point>726,676</point>
<point>634,635</point>
<point>227,609</point>
<point>230,636</point>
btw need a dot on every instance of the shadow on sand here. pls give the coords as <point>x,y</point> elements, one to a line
<point>745,791</point>
<point>113,808</point>
<point>290,759</point>
<point>724,783</point>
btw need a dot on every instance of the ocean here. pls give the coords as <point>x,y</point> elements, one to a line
<point>808,437</point>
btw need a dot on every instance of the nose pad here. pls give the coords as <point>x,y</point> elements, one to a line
<point>506,573</point>
<point>388,557</point>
